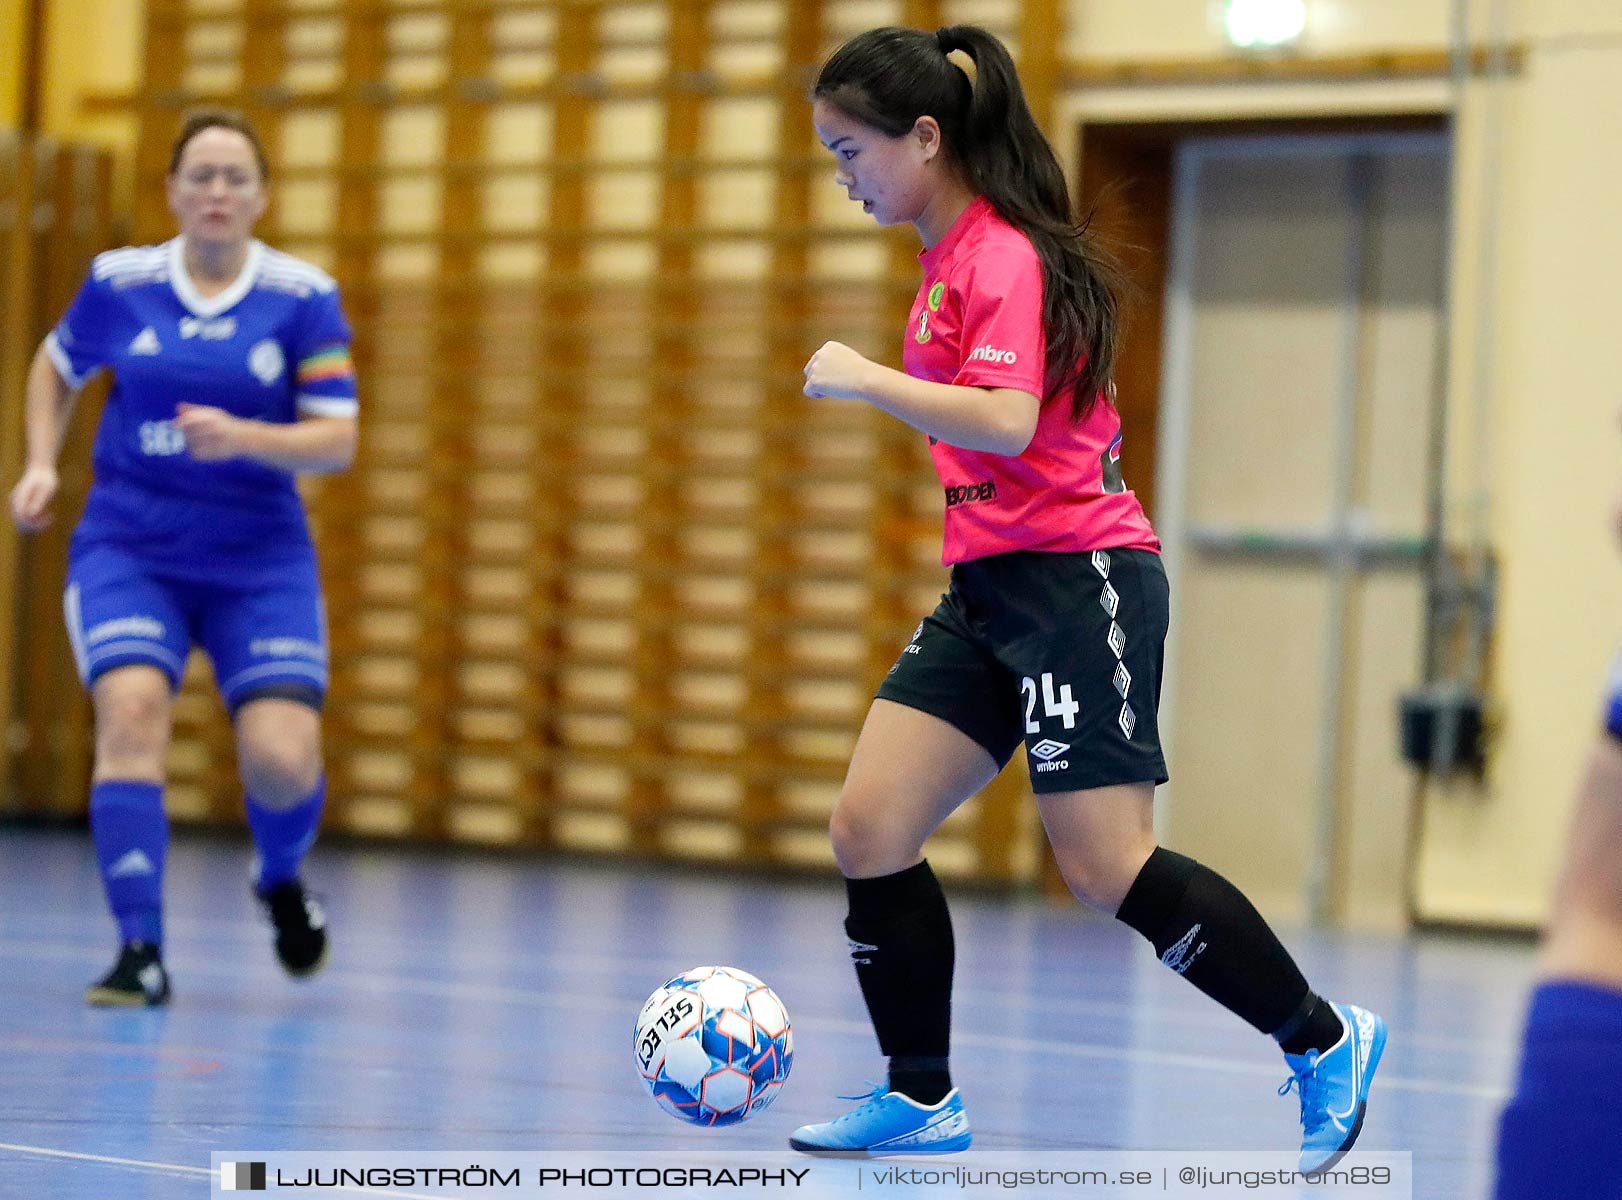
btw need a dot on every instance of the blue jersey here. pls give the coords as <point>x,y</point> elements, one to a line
<point>272,347</point>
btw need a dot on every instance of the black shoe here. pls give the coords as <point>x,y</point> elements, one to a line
<point>301,927</point>
<point>137,978</point>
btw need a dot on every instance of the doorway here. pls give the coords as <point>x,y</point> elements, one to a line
<point>1294,310</point>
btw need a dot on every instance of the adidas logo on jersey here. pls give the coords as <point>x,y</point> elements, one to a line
<point>146,342</point>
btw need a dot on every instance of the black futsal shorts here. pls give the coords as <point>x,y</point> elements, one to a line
<point>1061,651</point>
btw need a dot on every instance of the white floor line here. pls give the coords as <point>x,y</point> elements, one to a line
<point>168,1168</point>
<point>529,998</point>
<point>189,1172</point>
<point>1496,1043</point>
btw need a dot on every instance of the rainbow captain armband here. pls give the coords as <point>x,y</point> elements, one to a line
<point>328,363</point>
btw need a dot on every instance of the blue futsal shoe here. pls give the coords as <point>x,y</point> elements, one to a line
<point>889,1123</point>
<point>1334,1087</point>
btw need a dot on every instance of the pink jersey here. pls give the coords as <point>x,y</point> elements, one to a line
<point>977,322</point>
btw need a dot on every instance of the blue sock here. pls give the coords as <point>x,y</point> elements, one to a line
<point>131,833</point>
<point>284,838</point>
<point>1557,1136</point>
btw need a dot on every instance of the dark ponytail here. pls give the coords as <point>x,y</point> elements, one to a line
<point>888,78</point>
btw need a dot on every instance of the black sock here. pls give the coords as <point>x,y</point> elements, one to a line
<point>1315,1026</point>
<point>1204,929</point>
<point>901,942</point>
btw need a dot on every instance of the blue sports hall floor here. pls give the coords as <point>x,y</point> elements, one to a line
<point>480,1003</point>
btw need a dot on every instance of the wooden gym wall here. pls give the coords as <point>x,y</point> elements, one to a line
<point>55,213</point>
<point>601,578</point>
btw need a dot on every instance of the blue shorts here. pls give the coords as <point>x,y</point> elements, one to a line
<point>121,610</point>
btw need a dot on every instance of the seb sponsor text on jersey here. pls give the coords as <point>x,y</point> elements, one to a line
<point>977,322</point>
<point>273,346</point>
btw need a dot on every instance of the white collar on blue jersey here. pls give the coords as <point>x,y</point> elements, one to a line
<point>209,306</point>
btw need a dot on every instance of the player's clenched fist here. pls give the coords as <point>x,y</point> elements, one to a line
<point>211,433</point>
<point>837,371</point>
<point>31,498</point>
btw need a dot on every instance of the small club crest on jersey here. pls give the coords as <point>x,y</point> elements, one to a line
<point>267,362</point>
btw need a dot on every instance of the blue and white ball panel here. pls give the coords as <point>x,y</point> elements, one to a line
<point>120,612</point>
<point>714,1045</point>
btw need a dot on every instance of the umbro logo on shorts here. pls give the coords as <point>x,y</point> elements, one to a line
<point>1048,749</point>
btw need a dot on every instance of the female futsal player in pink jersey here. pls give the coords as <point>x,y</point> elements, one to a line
<point>1053,628</point>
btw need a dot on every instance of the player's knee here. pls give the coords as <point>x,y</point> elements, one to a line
<point>1101,876</point>
<point>132,732</point>
<point>865,842</point>
<point>280,773</point>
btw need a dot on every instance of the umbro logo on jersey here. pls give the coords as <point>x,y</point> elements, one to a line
<point>993,355</point>
<point>146,342</point>
<point>135,862</point>
<point>1127,720</point>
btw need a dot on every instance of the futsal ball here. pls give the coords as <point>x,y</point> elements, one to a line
<point>713,1045</point>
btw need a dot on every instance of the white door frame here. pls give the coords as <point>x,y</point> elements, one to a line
<point>1340,541</point>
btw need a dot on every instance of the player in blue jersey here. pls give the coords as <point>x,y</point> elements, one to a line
<point>1558,1136</point>
<point>231,374</point>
